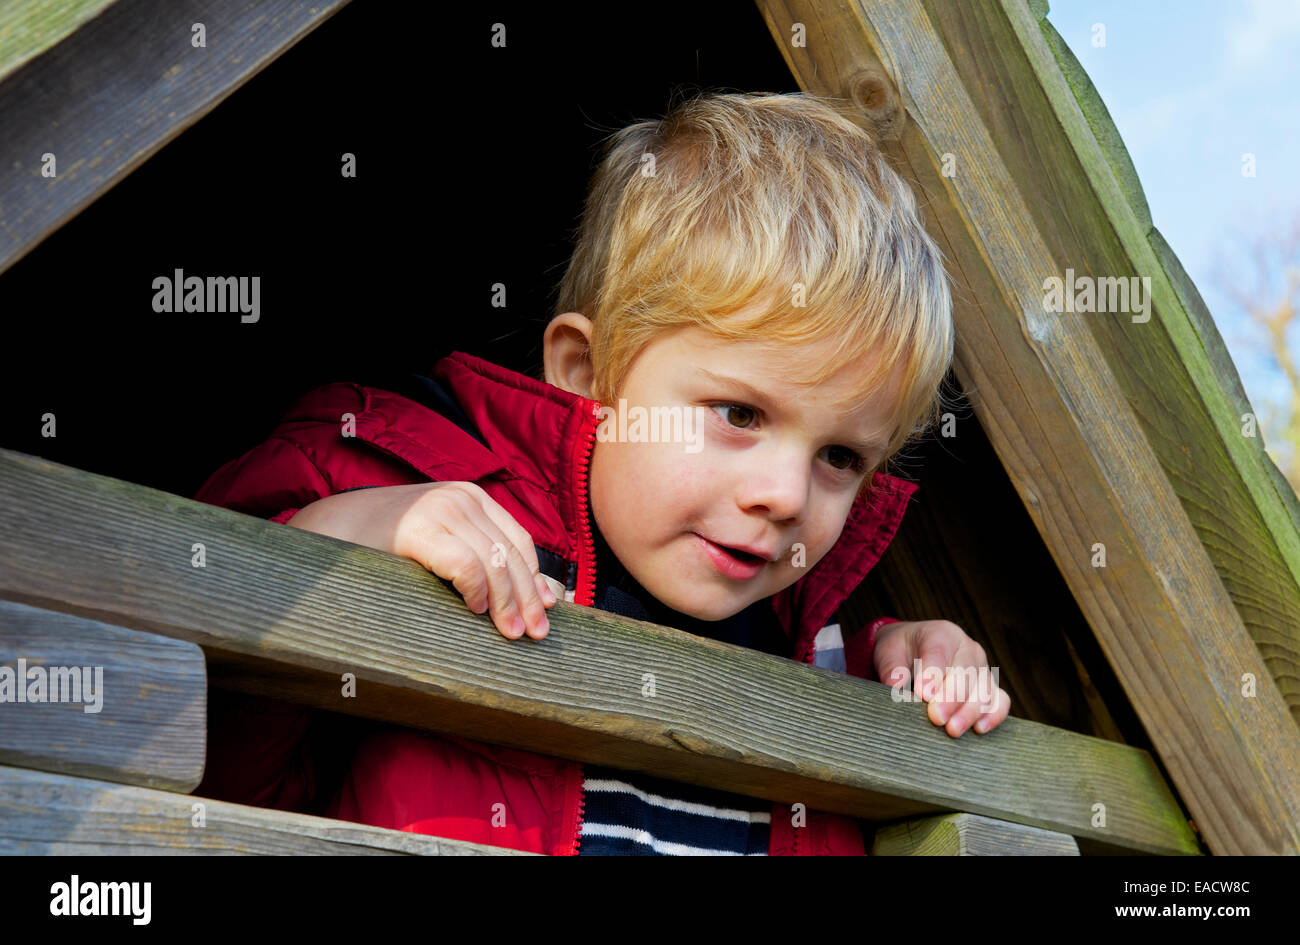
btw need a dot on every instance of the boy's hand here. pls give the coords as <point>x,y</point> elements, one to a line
<point>458,532</point>
<point>943,645</point>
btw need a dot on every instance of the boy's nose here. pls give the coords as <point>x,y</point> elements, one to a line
<point>779,489</point>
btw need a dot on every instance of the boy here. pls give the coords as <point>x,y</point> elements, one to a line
<point>749,266</point>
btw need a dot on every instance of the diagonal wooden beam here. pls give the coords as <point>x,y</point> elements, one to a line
<point>113,92</point>
<point>287,613</point>
<point>29,27</point>
<point>1069,439</point>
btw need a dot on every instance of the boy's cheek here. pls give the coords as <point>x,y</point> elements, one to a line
<point>784,576</point>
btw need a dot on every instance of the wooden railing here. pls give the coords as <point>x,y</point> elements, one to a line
<point>155,588</point>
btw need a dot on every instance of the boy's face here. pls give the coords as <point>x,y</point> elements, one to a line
<point>768,466</point>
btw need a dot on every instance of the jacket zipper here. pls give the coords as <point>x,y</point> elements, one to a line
<point>584,591</point>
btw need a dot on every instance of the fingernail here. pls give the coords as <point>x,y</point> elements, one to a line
<point>548,595</point>
<point>544,626</point>
<point>982,726</point>
<point>944,712</point>
<point>518,626</point>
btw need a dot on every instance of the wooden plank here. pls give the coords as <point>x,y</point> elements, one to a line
<point>284,612</point>
<point>969,835</point>
<point>43,814</point>
<point>29,27</point>
<point>1069,439</point>
<point>115,91</point>
<point>136,709</point>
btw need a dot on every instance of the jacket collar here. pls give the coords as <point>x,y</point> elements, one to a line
<point>532,431</point>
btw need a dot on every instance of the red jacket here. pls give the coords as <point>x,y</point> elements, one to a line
<point>538,443</point>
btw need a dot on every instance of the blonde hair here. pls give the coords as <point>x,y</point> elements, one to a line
<point>736,199</point>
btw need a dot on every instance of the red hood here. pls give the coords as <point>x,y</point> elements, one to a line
<point>531,429</point>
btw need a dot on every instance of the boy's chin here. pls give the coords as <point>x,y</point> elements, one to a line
<point>716,604</point>
<point>712,610</point>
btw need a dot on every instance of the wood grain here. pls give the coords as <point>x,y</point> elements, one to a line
<point>43,814</point>
<point>149,727</point>
<point>29,27</point>
<point>969,835</point>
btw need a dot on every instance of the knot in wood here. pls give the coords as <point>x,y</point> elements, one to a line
<point>877,97</point>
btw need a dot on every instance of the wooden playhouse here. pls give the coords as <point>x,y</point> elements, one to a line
<point>1103,519</point>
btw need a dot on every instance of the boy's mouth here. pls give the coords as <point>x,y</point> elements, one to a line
<point>733,562</point>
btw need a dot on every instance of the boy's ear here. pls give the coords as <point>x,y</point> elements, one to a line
<point>566,353</point>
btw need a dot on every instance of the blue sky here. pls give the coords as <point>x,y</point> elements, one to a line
<point>1192,86</point>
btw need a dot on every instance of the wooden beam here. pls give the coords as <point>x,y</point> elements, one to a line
<point>43,814</point>
<point>136,709</point>
<point>284,612</point>
<point>1064,429</point>
<point>29,27</point>
<point>969,835</point>
<point>116,90</point>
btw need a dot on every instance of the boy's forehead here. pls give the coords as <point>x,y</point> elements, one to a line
<point>792,368</point>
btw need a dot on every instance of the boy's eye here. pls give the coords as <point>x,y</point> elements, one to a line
<point>838,457</point>
<point>842,457</point>
<point>738,415</point>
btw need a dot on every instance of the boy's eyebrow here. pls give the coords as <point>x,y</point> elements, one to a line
<point>863,446</point>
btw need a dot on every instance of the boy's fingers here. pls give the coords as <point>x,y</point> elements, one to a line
<point>995,717</point>
<point>502,570</point>
<point>491,555</point>
<point>936,659</point>
<point>972,706</point>
<point>548,595</point>
<point>511,529</point>
<point>517,604</point>
<point>897,678</point>
<point>447,556</point>
<point>890,657</point>
<point>513,550</point>
<point>960,717</point>
<point>525,598</point>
